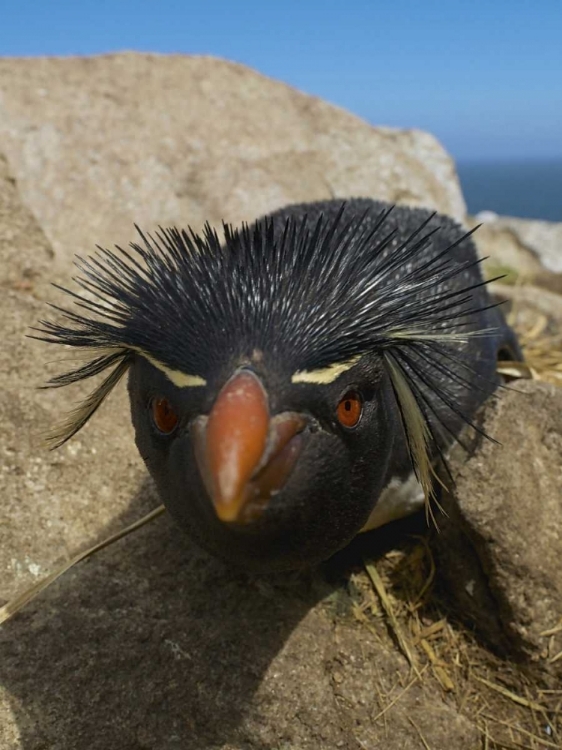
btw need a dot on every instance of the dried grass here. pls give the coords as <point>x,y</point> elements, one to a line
<point>398,596</point>
<point>541,342</point>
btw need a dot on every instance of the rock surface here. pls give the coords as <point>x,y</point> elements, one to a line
<point>152,645</point>
<point>98,144</point>
<point>26,255</point>
<point>507,507</point>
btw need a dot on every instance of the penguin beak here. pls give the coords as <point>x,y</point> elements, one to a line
<point>245,456</point>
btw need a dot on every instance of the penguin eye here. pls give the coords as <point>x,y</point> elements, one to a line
<point>350,409</point>
<point>163,415</point>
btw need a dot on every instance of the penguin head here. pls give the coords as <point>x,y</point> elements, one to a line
<point>261,468</point>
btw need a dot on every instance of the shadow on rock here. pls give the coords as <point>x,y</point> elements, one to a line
<point>151,643</point>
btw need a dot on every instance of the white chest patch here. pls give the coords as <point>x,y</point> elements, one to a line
<point>398,499</point>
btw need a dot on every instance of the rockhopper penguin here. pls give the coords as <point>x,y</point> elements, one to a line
<point>295,381</point>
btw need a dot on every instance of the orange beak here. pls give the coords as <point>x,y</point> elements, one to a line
<point>245,456</point>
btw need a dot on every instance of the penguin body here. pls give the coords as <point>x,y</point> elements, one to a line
<point>294,383</point>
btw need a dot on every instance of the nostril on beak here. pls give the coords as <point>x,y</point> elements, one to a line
<point>272,475</point>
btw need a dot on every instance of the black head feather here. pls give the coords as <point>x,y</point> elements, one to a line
<point>307,297</point>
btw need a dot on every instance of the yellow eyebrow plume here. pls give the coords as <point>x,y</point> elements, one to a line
<point>177,377</point>
<point>324,375</point>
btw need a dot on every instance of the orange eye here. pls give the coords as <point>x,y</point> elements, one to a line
<point>165,418</point>
<point>350,409</point>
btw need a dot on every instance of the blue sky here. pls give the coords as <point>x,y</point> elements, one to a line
<point>484,77</point>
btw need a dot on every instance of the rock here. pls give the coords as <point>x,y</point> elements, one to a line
<point>525,245</point>
<point>52,502</point>
<point>97,144</point>
<point>501,546</point>
<point>151,643</point>
<point>25,254</point>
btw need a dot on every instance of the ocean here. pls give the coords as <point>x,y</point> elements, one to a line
<point>526,189</point>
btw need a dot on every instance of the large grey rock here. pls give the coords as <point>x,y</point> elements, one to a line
<point>502,540</point>
<point>97,144</point>
<point>525,245</point>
